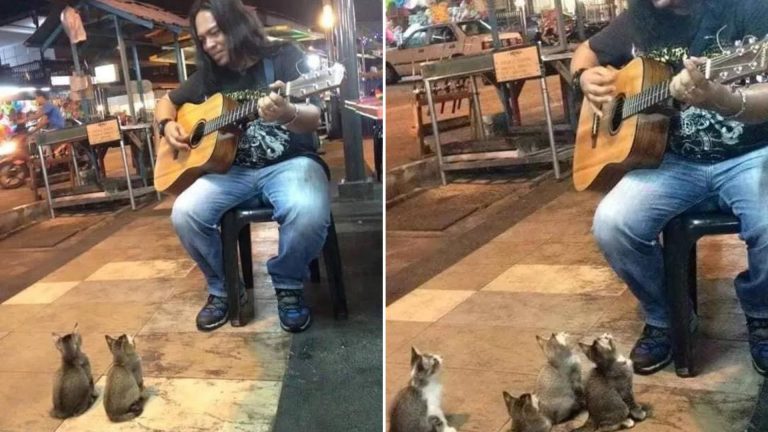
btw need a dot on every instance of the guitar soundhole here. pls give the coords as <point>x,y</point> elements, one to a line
<point>197,134</point>
<point>617,114</point>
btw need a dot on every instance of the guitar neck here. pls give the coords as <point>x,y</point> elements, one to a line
<point>652,96</point>
<point>231,117</point>
<point>241,112</point>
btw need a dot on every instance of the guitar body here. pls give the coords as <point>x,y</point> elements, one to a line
<point>211,153</point>
<point>609,147</point>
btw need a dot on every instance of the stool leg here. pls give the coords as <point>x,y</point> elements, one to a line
<point>692,292</point>
<point>677,248</point>
<point>238,316</point>
<point>314,270</point>
<point>332,258</point>
<point>246,256</point>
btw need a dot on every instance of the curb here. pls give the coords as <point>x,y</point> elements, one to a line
<point>21,217</point>
<point>409,177</point>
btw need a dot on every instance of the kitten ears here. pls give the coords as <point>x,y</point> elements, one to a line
<point>74,330</point>
<point>541,341</point>
<point>508,399</point>
<point>415,354</point>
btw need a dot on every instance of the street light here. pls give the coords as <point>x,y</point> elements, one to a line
<point>327,17</point>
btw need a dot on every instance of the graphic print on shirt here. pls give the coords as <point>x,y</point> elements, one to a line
<point>262,142</point>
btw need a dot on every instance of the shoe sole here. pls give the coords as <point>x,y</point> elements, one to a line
<point>762,372</point>
<point>298,330</point>
<point>653,368</point>
<point>213,326</point>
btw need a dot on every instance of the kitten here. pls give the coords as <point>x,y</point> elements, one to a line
<point>526,413</point>
<point>559,387</point>
<point>73,390</point>
<point>123,394</point>
<point>417,406</point>
<point>610,399</point>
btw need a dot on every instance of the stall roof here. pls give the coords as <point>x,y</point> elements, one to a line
<point>143,10</point>
<point>139,13</point>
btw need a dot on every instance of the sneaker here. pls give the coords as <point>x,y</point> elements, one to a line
<point>215,312</point>
<point>294,314</point>
<point>653,351</point>
<point>758,343</point>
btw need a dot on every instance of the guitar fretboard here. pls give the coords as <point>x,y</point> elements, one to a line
<point>645,99</point>
<point>234,116</point>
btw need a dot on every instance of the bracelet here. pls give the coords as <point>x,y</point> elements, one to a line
<point>743,106</point>
<point>295,116</point>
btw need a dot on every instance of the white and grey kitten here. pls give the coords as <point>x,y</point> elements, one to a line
<point>559,386</point>
<point>610,400</point>
<point>417,407</point>
<point>526,413</point>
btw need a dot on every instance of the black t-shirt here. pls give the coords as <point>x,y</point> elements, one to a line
<point>695,133</point>
<point>261,143</point>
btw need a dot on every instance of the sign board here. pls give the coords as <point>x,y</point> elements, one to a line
<point>102,132</point>
<point>517,64</point>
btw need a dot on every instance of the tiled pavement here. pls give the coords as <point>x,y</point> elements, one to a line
<point>545,274</point>
<point>138,281</point>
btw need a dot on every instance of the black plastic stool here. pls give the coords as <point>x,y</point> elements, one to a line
<point>680,237</point>
<point>235,229</point>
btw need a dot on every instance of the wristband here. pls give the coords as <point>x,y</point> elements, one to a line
<point>576,80</point>
<point>161,127</point>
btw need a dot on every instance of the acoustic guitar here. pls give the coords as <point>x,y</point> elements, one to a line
<point>213,134</point>
<point>629,135</point>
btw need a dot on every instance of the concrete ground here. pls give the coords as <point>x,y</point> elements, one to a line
<point>529,266</point>
<point>125,272</point>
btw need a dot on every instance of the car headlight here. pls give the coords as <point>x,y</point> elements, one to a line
<point>7,147</point>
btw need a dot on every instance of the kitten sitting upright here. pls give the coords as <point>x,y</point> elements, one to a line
<point>123,393</point>
<point>526,413</point>
<point>417,407</point>
<point>73,391</point>
<point>610,399</point>
<point>559,387</point>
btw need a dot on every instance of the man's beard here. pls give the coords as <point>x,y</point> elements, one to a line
<point>658,27</point>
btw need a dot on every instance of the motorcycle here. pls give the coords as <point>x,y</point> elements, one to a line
<point>14,156</point>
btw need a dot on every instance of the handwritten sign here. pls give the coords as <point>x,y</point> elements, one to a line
<point>102,132</point>
<point>517,64</point>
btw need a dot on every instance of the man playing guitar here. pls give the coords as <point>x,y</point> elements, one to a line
<point>275,164</point>
<point>716,154</point>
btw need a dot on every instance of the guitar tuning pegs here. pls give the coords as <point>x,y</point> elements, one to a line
<point>750,40</point>
<point>737,43</point>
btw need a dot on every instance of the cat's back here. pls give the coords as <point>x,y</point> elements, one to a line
<point>121,385</point>
<point>409,411</point>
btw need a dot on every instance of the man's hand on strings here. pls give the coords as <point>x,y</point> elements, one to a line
<point>274,107</point>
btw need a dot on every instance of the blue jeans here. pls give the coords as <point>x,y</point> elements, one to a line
<point>297,189</point>
<point>630,218</point>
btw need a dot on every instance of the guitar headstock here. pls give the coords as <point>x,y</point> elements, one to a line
<point>745,60</point>
<point>316,81</point>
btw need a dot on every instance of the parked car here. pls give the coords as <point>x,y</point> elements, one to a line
<point>441,41</point>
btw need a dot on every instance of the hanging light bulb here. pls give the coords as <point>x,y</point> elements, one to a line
<point>327,17</point>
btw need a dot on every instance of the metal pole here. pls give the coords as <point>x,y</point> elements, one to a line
<point>478,110</point>
<point>504,94</point>
<point>561,25</point>
<point>45,179</point>
<point>524,21</point>
<point>127,173</point>
<point>124,66</point>
<point>179,59</point>
<point>548,113</point>
<point>435,130</point>
<point>350,121</point>
<point>139,84</point>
